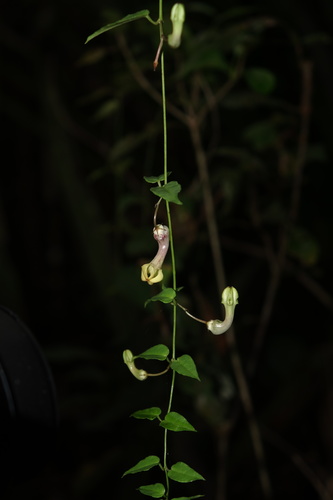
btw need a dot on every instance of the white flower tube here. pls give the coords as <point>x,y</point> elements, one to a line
<point>229,300</point>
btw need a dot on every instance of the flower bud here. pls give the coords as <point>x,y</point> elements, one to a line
<point>177,18</point>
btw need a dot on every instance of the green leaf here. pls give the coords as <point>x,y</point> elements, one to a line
<point>155,180</point>
<point>147,413</point>
<point>182,473</point>
<point>188,498</point>
<point>173,421</point>
<point>166,296</point>
<point>107,109</point>
<point>261,135</point>
<point>145,464</point>
<point>127,19</point>
<point>168,192</point>
<point>185,366</point>
<point>156,490</point>
<point>261,80</point>
<point>159,352</point>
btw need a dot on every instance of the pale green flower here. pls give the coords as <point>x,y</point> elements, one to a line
<point>177,18</point>
<point>129,361</point>
<point>229,300</point>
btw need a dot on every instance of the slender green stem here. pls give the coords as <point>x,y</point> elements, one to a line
<point>165,162</point>
<point>165,131</point>
<point>152,21</point>
<point>171,246</point>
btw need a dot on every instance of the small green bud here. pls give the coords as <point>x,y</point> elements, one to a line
<point>177,18</point>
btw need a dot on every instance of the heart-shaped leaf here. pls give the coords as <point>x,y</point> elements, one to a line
<point>156,490</point>
<point>147,413</point>
<point>166,296</point>
<point>159,352</point>
<point>168,192</point>
<point>145,464</point>
<point>185,365</point>
<point>182,473</point>
<point>173,421</point>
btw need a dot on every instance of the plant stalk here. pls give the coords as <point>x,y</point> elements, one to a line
<point>171,244</point>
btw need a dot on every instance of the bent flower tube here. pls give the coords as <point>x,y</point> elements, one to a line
<point>229,300</point>
<point>129,361</point>
<point>152,272</point>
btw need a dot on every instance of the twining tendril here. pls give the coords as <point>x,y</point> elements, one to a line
<point>152,272</point>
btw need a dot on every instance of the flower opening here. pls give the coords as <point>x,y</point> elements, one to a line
<point>177,18</point>
<point>129,361</point>
<point>152,272</point>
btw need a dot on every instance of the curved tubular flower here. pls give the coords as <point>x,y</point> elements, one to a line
<point>152,272</point>
<point>177,18</point>
<point>229,300</point>
<point>129,361</point>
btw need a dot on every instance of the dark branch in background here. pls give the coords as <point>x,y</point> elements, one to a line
<point>258,252</point>
<point>214,238</point>
<point>143,81</point>
<point>298,461</point>
<point>277,261</point>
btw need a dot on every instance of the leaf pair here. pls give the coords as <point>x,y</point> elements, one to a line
<point>180,472</point>
<point>184,365</point>
<point>168,192</point>
<point>173,421</point>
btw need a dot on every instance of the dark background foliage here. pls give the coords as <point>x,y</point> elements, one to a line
<point>79,133</point>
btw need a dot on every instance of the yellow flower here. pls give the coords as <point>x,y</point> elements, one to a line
<point>151,274</point>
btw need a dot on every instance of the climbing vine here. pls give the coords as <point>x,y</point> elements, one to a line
<point>167,192</point>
